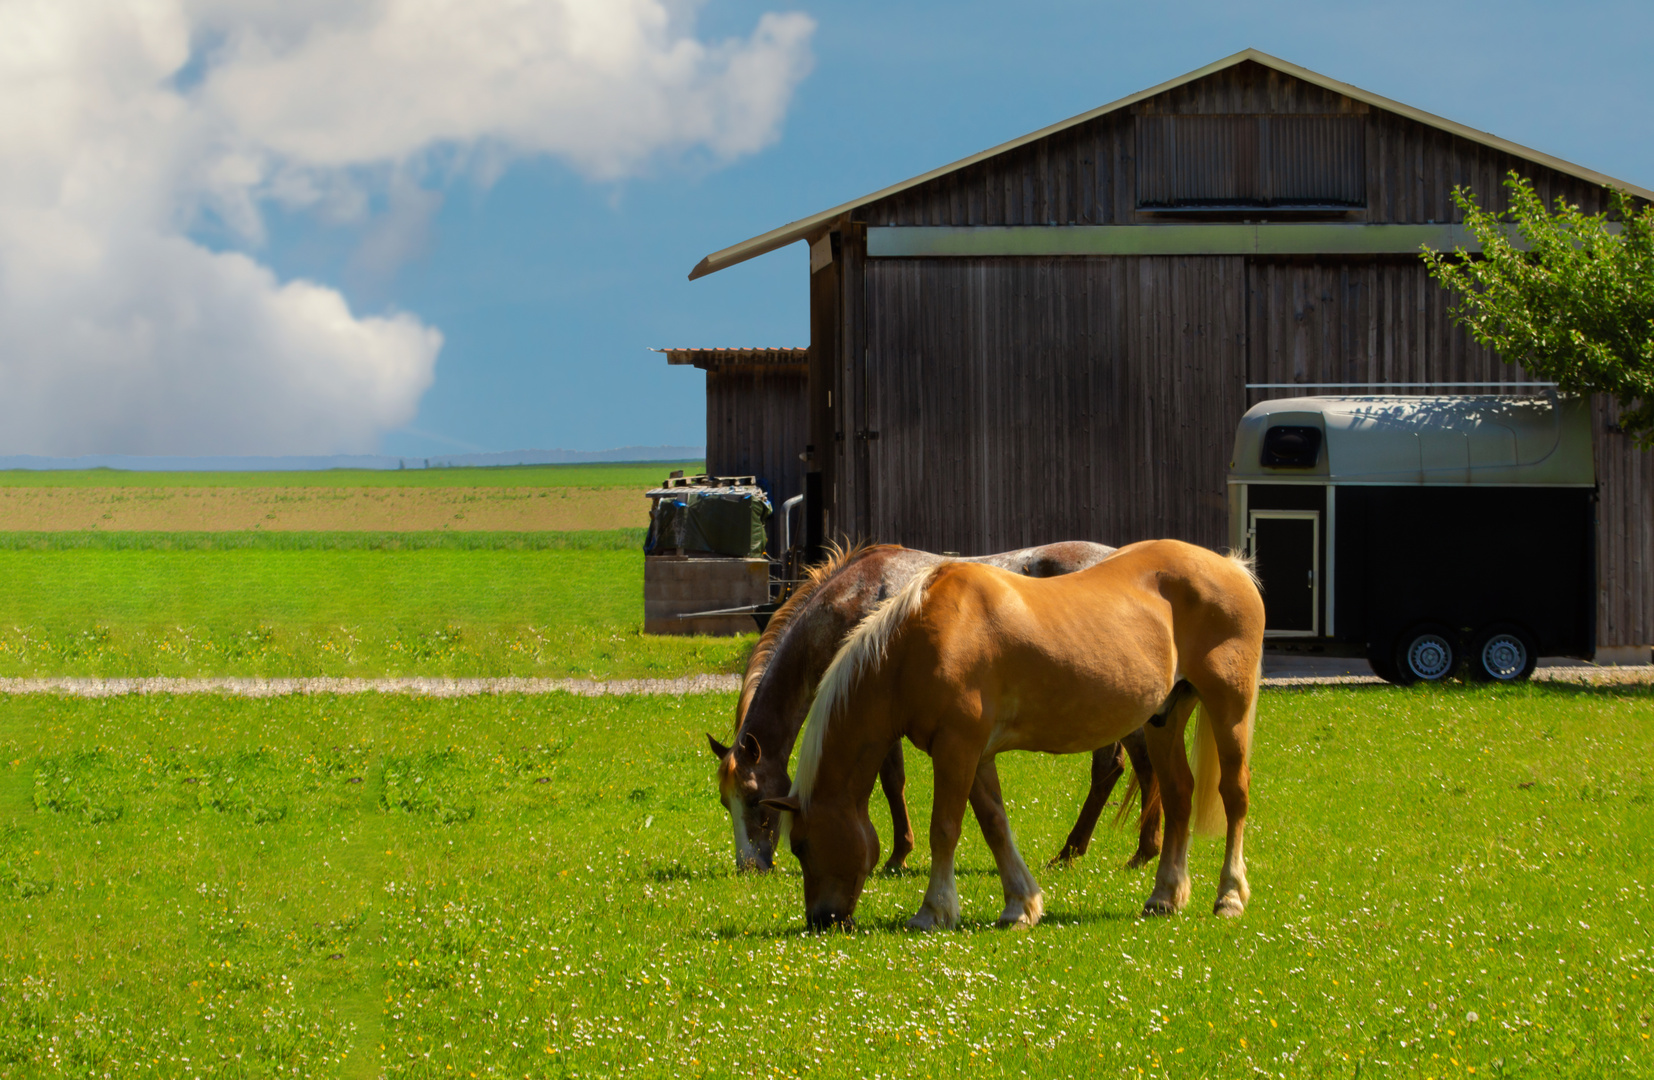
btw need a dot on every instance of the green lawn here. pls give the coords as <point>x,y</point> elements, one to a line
<point>1445,879</point>
<point>637,475</point>
<point>347,604</point>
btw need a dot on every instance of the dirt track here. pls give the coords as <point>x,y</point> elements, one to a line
<point>373,509</point>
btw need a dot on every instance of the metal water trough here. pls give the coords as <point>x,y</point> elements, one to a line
<point>1425,534</point>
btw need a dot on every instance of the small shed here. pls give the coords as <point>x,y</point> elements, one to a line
<point>757,417</point>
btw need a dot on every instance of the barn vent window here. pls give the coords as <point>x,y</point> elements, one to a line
<point>1214,162</point>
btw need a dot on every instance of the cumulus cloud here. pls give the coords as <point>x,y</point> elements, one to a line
<point>126,126</point>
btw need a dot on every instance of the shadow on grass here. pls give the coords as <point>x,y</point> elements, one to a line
<point>897,924</point>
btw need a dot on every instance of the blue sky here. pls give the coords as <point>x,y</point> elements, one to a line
<point>550,288</point>
<point>547,283</point>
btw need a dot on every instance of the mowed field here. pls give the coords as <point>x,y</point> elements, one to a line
<point>1447,882</point>
<point>533,498</point>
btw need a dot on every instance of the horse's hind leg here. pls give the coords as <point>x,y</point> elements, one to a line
<point>1234,780</point>
<point>1148,821</point>
<point>893,778</point>
<point>1177,783</point>
<point>1106,769</point>
<point>1024,904</point>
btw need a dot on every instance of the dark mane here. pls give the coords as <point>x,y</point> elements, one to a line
<point>814,577</point>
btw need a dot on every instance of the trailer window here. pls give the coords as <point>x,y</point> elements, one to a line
<point>1291,447</point>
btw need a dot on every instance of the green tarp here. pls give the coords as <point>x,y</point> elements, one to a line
<point>719,521</point>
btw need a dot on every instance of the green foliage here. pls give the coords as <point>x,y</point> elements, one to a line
<point>1444,879</point>
<point>339,604</point>
<point>1564,296</point>
<point>630,475</point>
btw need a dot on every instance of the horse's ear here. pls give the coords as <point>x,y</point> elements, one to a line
<point>719,750</point>
<point>789,804</point>
<point>748,745</point>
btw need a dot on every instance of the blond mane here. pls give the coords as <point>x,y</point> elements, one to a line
<point>862,649</point>
<point>814,577</point>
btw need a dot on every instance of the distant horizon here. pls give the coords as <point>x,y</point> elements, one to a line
<point>621,455</point>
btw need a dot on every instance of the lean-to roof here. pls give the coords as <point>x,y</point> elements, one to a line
<point>808,227</point>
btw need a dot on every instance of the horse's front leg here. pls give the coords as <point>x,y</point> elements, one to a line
<point>1106,770</point>
<point>1148,822</point>
<point>955,774</point>
<point>1024,903</point>
<point>893,778</point>
<point>1177,785</point>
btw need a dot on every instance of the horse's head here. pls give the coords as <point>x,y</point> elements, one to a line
<point>835,843</point>
<point>742,788</point>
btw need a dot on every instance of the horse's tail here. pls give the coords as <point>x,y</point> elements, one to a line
<point>1151,801</point>
<point>1207,811</point>
<point>863,649</point>
<point>1132,788</point>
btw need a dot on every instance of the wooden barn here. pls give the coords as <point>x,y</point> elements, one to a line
<point>1055,338</point>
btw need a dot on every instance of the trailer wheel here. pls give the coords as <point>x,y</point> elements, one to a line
<point>1502,653</point>
<point>1425,654</point>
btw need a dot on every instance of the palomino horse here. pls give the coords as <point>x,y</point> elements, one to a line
<point>792,655</point>
<point>968,661</point>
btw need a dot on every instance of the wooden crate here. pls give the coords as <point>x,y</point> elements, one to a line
<point>678,584</point>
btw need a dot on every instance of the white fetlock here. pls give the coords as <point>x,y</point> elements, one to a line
<point>1023,912</point>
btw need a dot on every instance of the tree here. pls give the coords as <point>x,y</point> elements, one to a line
<point>1568,295</point>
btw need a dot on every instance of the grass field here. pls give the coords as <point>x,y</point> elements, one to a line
<point>1447,881</point>
<point>631,475</point>
<point>355,604</point>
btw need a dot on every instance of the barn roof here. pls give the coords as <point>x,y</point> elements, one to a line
<point>805,228</point>
<point>708,359</point>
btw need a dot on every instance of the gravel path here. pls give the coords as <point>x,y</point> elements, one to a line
<point>693,684</point>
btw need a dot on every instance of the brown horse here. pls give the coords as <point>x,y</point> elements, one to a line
<point>795,650</point>
<point>969,661</point>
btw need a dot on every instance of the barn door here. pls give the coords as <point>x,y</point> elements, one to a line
<point>1287,546</point>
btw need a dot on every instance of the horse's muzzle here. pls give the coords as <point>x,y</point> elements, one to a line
<point>828,919</point>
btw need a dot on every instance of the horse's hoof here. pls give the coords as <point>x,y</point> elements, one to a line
<point>1228,907</point>
<point>895,867</point>
<point>928,919</point>
<point>1065,858</point>
<point>1155,908</point>
<point>1023,915</point>
<point>1141,859</point>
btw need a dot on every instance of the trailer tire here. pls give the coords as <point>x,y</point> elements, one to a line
<point>1426,654</point>
<point>1502,653</point>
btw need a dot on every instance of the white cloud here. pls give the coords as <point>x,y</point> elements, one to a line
<point>126,124</point>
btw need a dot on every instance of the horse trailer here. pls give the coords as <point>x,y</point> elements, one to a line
<point>1421,533</point>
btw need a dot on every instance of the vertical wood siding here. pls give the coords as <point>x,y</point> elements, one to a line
<point>757,423</point>
<point>1023,401</point>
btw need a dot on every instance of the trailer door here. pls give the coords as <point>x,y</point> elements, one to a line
<point>1287,546</point>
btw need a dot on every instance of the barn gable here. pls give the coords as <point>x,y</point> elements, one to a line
<point>1082,171</point>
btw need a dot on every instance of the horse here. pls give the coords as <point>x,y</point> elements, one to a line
<point>968,661</point>
<point>794,651</point>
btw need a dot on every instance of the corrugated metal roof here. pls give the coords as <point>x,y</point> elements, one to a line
<point>711,358</point>
<point>804,228</point>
